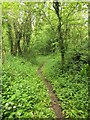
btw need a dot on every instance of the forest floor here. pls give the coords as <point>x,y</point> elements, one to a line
<point>40,91</point>
<point>70,89</point>
<point>54,99</point>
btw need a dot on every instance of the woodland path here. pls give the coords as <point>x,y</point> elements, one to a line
<point>55,103</point>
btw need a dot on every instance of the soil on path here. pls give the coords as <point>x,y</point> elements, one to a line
<point>55,104</point>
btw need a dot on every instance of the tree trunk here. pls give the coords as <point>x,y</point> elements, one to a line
<point>88,72</point>
<point>89,33</point>
<point>15,48</point>
<point>10,38</point>
<point>19,48</point>
<point>18,36</point>
<point>11,44</point>
<point>3,55</point>
<point>61,43</point>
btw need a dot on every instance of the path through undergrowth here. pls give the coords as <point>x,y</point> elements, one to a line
<point>54,99</point>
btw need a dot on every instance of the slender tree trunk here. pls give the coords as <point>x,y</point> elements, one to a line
<point>11,44</point>
<point>88,72</point>
<point>10,38</point>
<point>61,42</point>
<point>3,55</point>
<point>89,33</point>
<point>18,36</point>
<point>15,48</point>
<point>19,48</point>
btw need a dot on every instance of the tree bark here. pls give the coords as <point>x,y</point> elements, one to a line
<point>10,38</point>
<point>15,48</point>
<point>88,72</point>
<point>89,33</point>
<point>19,48</point>
<point>18,36</point>
<point>61,42</point>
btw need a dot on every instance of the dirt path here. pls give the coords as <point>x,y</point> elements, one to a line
<point>54,100</point>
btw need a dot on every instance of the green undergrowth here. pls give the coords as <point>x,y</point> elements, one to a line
<point>24,95</point>
<point>71,87</point>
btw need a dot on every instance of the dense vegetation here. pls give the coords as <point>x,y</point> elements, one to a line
<point>24,94</point>
<point>56,35</point>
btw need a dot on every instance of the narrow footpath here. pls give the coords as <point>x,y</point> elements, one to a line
<point>55,104</point>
